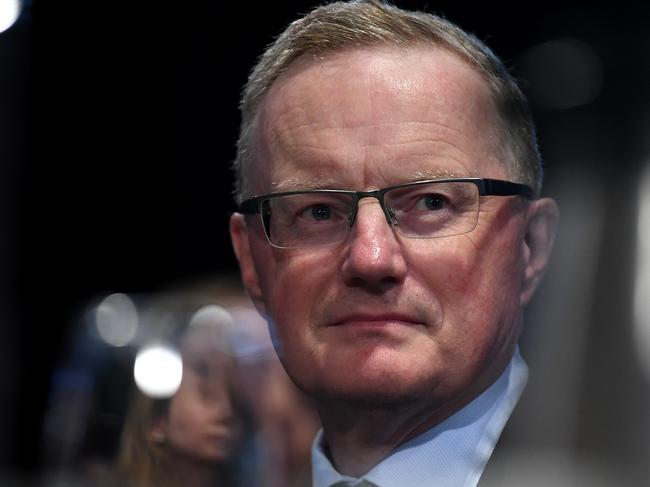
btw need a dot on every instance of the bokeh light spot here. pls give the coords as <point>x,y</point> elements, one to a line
<point>9,12</point>
<point>158,371</point>
<point>116,319</point>
<point>212,315</point>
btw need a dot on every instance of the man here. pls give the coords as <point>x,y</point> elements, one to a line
<point>391,232</point>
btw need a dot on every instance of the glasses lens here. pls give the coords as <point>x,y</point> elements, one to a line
<point>437,209</point>
<point>309,219</point>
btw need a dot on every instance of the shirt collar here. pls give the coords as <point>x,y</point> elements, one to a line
<point>454,452</point>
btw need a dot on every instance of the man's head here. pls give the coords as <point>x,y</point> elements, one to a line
<point>392,311</point>
<point>346,25</point>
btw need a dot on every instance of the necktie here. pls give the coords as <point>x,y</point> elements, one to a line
<point>354,483</point>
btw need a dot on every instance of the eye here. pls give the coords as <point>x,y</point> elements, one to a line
<point>201,368</point>
<point>435,201</point>
<point>310,208</point>
<point>320,212</point>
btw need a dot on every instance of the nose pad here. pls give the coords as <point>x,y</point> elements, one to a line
<point>390,216</point>
<point>351,217</point>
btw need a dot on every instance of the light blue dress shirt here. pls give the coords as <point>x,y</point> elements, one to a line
<point>451,454</point>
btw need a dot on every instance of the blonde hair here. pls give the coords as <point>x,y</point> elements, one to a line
<point>141,461</point>
<point>365,23</point>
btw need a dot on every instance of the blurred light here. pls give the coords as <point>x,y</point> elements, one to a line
<point>211,326</point>
<point>212,315</point>
<point>562,73</point>
<point>117,319</point>
<point>9,12</point>
<point>553,465</point>
<point>158,371</point>
<point>642,286</point>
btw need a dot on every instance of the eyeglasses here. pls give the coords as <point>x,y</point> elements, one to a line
<point>421,209</point>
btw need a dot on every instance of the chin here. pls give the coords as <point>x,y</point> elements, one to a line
<point>218,456</point>
<point>380,397</point>
<point>377,389</point>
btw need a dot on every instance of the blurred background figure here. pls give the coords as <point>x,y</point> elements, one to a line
<point>285,419</point>
<point>181,387</point>
<point>198,436</point>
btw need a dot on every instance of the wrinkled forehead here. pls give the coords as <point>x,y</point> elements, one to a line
<point>421,76</point>
<point>385,84</point>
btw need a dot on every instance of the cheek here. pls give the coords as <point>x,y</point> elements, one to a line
<point>293,281</point>
<point>181,418</point>
<point>476,278</point>
<point>475,268</point>
<point>293,285</point>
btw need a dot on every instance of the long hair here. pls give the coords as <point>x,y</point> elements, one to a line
<point>142,460</point>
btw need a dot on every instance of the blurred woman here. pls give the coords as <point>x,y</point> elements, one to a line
<point>199,436</point>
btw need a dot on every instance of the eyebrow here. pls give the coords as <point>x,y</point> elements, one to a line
<point>293,184</point>
<point>423,174</point>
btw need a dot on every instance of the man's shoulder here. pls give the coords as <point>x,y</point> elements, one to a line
<point>524,456</point>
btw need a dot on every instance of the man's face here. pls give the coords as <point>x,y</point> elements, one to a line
<point>384,317</point>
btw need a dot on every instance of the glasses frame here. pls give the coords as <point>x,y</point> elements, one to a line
<point>486,187</point>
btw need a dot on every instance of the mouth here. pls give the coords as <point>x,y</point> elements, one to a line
<point>384,329</point>
<point>222,437</point>
<point>371,320</point>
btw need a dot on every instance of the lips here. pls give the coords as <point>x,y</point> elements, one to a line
<point>222,436</point>
<point>374,319</point>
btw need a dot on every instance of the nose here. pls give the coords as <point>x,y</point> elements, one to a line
<point>374,257</point>
<point>218,397</point>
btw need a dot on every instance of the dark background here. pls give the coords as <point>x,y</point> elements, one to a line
<point>119,123</point>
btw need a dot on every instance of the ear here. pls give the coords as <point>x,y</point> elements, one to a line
<point>541,225</point>
<point>240,237</point>
<point>159,431</point>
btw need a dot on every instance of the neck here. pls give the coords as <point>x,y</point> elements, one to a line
<point>196,473</point>
<point>360,435</point>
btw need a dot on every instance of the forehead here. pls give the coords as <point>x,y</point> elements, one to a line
<point>421,110</point>
<point>204,341</point>
<point>401,70</point>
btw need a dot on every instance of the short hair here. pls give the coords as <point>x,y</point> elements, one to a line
<point>368,23</point>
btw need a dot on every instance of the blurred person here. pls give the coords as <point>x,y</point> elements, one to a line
<point>391,231</point>
<point>285,418</point>
<point>198,437</point>
<point>230,357</point>
<point>287,423</point>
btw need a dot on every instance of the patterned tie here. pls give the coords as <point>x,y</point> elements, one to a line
<point>354,483</point>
